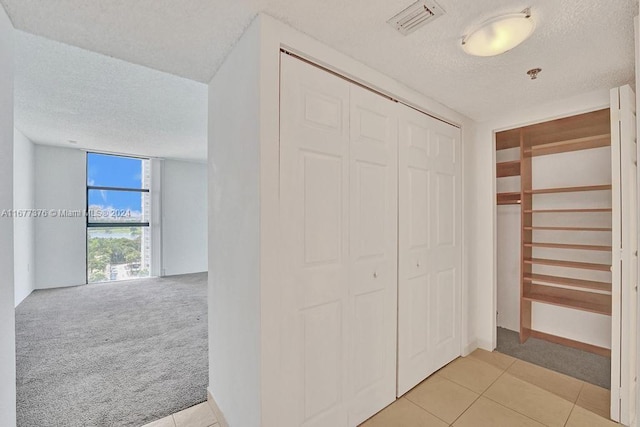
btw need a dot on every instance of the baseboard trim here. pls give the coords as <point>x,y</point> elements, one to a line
<point>606,352</point>
<point>216,409</point>
<point>469,348</point>
<point>485,345</point>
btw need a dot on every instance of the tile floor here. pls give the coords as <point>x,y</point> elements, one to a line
<point>482,390</point>
<point>197,416</point>
<point>495,390</point>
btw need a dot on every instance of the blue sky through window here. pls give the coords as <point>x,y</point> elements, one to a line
<point>114,171</point>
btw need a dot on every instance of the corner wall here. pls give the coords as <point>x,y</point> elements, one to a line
<point>24,226</point>
<point>234,233</point>
<point>61,177</point>
<point>7,311</point>
<point>184,217</point>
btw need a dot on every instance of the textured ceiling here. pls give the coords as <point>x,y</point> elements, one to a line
<point>581,45</point>
<point>65,93</point>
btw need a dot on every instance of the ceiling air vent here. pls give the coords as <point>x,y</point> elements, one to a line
<point>415,16</point>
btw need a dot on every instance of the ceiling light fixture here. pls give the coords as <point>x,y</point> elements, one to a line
<point>499,34</point>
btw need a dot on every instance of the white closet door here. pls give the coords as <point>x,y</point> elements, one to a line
<point>429,247</point>
<point>624,168</point>
<point>314,186</point>
<point>338,183</point>
<point>373,253</point>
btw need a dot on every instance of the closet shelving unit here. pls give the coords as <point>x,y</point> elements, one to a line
<point>583,132</point>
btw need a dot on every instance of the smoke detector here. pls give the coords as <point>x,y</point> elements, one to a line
<point>415,16</point>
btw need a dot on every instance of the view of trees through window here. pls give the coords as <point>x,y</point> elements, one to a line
<point>118,203</point>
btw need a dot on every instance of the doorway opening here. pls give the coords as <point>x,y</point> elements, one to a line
<point>566,196</point>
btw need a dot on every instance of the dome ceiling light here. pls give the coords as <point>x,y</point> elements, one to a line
<point>499,34</point>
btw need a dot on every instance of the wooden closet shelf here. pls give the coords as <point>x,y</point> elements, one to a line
<point>568,246</point>
<point>569,264</point>
<point>570,298</point>
<point>507,139</point>
<point>567,210</point>
<point>567,281</point>
<point>569,189</point>
<point>508,198</point>
<point>505,169</point>
<point>585,143</point>
<point>570,228</point>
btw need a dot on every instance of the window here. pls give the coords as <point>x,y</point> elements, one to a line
<point>118,205</point>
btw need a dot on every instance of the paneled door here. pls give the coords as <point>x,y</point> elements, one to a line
<point>429,262</point>
<point>373,281</point>
<point>338,201</point>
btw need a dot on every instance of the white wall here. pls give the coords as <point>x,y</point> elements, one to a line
<point>7,317</point>
<point>184,217</point>
<point>60,242</point>
<point>24,227</point>
<point>508,267</point>
<point>508,249</point>
<point>234,233</point>
<point>483,244</point>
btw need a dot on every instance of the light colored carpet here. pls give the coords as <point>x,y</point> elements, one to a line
<point>113,354</point>
<point>579,364</point>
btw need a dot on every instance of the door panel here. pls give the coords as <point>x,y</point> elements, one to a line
<point>429,247</point>
<point>314,156</point>
<point>338,165</point>
<point>322,215</point>
<point>373,248</point>
<point>625,255</point>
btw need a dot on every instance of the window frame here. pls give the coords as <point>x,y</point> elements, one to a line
<point>108,224</point>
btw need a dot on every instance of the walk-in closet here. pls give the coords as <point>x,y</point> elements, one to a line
<point>566,247</point>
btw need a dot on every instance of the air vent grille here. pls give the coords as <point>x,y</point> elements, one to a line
<point>415,16</point>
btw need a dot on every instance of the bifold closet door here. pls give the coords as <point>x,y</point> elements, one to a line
<point>373,248</point>
<point>429,246</point>
<point>338,201</point>
<point>624,169</point>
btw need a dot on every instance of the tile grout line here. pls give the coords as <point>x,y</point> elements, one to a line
<point>517,412</point>
<point>491,352</point>
<point>420,407</point>
<point>463,412</point>
<point>488,387</point>
<point>505,406</point>
<point>473,391</point>
<point>569,417</point>
<point>525,415</point>
<point>464,386</point>
<point>479,395</point>
<point>580,392</point>
<point>582,383</point>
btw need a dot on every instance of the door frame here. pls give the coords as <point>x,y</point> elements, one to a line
<point>539,118</point>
